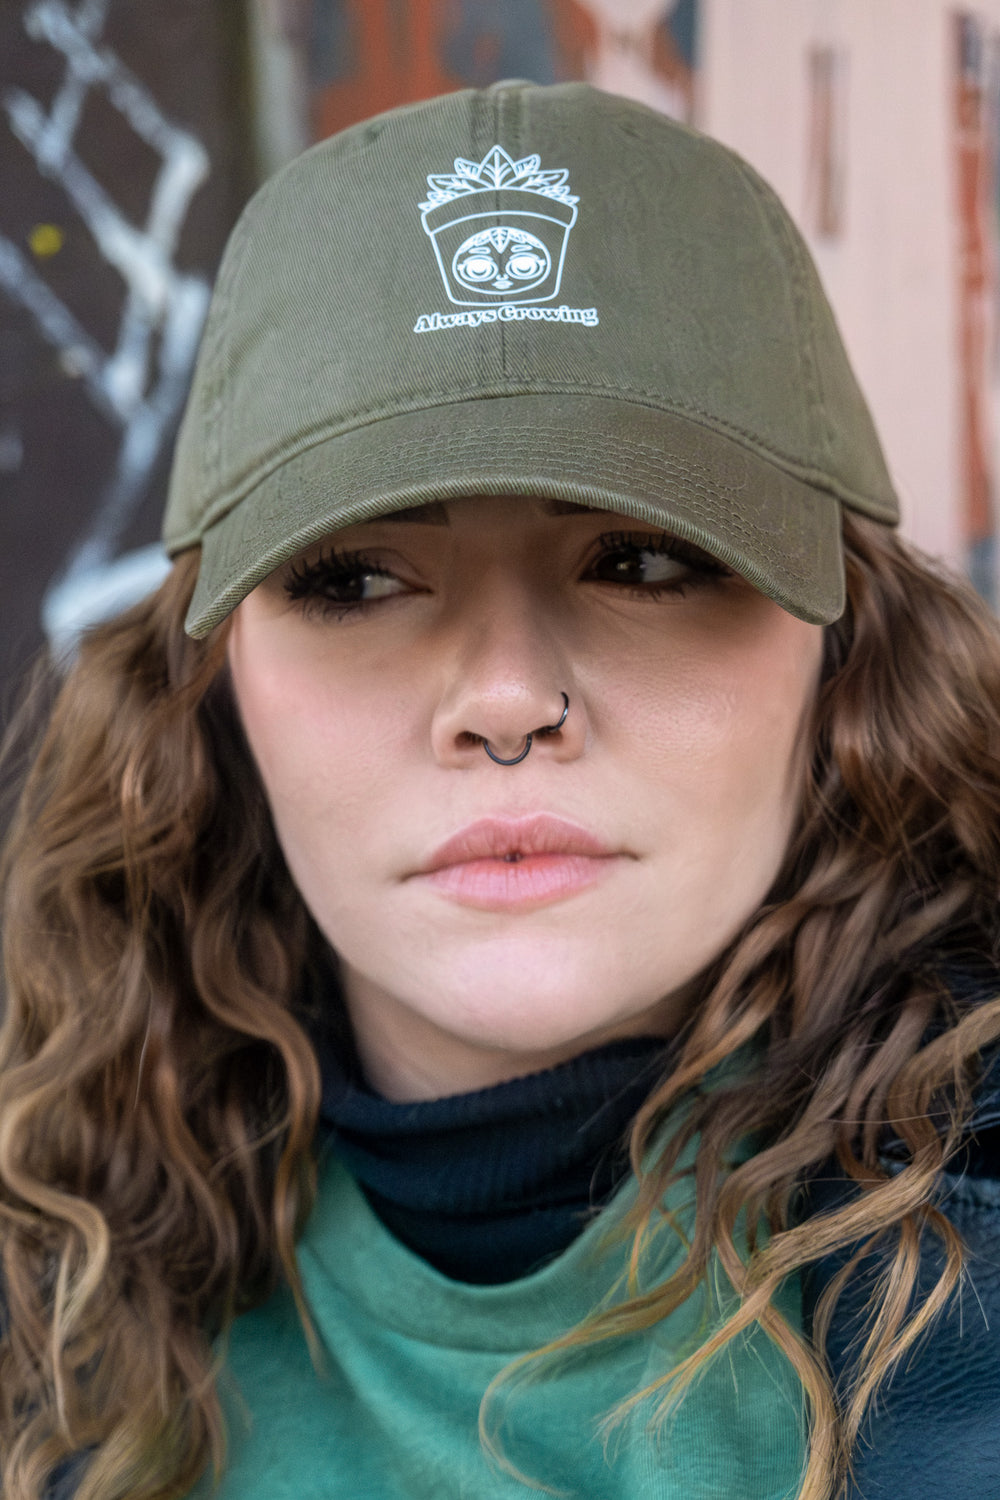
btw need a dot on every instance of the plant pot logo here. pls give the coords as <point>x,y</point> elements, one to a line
<point>499,228</point>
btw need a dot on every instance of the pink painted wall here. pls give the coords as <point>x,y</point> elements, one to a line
<point>910,263</point>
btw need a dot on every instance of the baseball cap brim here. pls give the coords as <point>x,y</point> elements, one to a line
<point>778,529</point>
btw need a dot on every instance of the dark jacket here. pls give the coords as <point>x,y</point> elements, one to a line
<point>934,1432</point>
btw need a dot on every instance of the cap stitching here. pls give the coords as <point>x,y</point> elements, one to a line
<point>218,512</point>
<point>808,353</point>
<point>709,490</point>
<point>482,106</point>
<point>215,363</point>
<point>784,460</point>
<point>800,474</point>
<point>805,347</point>
<point>783,232</point>
<point>826,433</point>
<point>701,480</point>
<point>497,101</point>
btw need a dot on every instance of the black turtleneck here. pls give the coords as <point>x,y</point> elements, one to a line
<point>489,1185</point>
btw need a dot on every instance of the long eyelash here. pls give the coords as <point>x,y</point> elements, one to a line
<point>665,544</point>
<point>309,580</point>
<point>311,583</point>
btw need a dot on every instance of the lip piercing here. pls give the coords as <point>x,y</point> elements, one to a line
<point>545,729</point>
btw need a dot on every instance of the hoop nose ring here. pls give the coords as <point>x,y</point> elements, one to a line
<point>545,729</point>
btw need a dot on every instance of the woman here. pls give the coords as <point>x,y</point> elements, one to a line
<point>506,771</point>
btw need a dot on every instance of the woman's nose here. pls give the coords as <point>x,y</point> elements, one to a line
<point>511,692</point>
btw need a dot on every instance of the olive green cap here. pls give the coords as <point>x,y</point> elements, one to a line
<point>523,290</point>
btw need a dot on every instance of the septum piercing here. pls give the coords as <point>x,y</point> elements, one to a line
<point>545,729</point>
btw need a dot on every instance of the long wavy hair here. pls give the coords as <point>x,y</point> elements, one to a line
<point>159,1094</point>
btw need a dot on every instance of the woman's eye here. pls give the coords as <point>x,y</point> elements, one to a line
<point>638,565</point>
<point>653,564</point>
<point>342,583</point>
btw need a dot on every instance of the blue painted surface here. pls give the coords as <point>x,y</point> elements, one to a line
<point>332,48</point>
<point>682,24</point>
<point>981,564</point>
<point>512,40</point>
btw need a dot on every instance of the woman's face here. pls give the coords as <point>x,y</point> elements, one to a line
<point>492,920</point>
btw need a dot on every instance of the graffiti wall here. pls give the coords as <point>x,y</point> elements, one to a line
<point>119,178</point>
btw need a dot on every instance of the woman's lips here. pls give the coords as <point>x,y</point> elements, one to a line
<point>503,864</point>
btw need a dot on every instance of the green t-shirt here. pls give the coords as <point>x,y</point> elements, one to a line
<point>408,1355</point>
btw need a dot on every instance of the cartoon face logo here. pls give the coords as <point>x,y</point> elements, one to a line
<point>502,261</point>
<point>499,228</point>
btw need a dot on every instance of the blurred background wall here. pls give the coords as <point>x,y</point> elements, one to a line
<point>132,131</point>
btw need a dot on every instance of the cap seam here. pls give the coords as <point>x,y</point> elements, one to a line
<point>793,467</point>
<point>482,126</point>
<point>783,231</point>
<point>809,353</point>
<point>697,475</point>
<point>742,529</point>
<point>497,99</point>
<point>217,353</point>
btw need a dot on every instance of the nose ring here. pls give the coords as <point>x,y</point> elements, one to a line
<point>545,729</point>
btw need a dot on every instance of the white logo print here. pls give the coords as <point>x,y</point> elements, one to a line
<point>499,228</point>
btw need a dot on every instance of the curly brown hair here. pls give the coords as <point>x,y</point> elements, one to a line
<point>159,1093</point>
